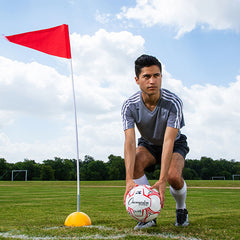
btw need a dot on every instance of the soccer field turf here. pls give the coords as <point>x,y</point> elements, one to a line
<point>37,210</point>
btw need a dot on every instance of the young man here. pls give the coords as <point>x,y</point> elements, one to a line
<point>157,113</point>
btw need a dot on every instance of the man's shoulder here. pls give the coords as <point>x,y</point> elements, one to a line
<point>135,98</point>
<point>170,96</point>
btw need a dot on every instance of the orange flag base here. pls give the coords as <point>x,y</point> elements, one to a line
<point>77,219</point>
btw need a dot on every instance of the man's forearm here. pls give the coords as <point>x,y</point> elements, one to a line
<point>129,155</point>
<point>166,159</point>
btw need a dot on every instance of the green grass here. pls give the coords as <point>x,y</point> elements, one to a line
<point>37,210</point>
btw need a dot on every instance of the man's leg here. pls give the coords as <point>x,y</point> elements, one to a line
<point>143,160</point>
<point>178,188</point>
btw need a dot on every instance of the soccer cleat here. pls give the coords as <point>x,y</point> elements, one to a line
<point>141,225</point>
<point>181,217</point>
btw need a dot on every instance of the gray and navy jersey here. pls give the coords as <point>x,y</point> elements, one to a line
<point>152,125</point>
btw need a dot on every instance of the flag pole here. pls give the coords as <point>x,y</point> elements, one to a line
<point>77,219</point>
<point>55,41</point>
<point>76,132</point>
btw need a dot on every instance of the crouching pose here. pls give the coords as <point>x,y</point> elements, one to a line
<point>157,113</point>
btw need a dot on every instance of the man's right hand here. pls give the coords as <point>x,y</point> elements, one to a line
<point>129,185</point>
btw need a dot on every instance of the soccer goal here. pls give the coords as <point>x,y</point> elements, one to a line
<point>218,178</point>
<point>236,177</point>
<point>18,171</point>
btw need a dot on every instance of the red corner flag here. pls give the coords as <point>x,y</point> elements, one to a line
<point>53,41</point>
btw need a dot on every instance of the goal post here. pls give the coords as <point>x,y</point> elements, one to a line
<point>218,178</point>
<point>236,175</point>
<point>18,171</point>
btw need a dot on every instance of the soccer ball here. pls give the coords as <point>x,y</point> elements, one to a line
<point>143,203</point>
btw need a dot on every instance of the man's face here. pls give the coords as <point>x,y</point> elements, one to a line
<point>150,80</point>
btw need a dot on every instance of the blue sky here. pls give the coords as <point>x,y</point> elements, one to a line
<point>196,41</point>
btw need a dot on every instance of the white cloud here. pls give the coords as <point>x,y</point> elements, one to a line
<point>31,88</point>
<point>103,67</point>
<point>102,18</point>
<point>102,64</point>
<point>103,76</point>
<point>212,118</point>
<point>185,15</point>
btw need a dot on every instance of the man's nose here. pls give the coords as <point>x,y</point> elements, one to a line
<point>152,79</point>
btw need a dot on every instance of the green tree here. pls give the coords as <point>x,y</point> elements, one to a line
<point>33,169</point>
<point>84,167</point>
<point>156,174</point>
<point>96,171</point>
<point>4,170</point>
<point>195,165</point>
<point>116,168</point>
<point>190,174</point>
<point>47,173</point>
<point>207,168</point>
<point>64,169</point>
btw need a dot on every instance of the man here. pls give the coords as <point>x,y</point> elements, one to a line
<point>157,113</point>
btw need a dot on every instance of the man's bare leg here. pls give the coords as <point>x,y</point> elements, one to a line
<point>178,188</point>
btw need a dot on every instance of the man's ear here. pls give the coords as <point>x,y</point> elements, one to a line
<point>137,80</point>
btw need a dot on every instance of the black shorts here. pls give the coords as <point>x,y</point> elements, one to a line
<point>180,146</point>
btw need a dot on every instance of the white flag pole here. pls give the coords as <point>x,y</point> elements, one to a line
<point>76,131</point>
<point>77,219</point>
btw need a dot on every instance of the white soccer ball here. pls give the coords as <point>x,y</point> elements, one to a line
<point>143,203</point>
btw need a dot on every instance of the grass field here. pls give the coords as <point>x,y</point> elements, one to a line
<point>37,210</point>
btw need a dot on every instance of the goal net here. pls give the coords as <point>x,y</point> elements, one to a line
<point>17,172</point>
<point>218,178</point>
<point>236,177</point>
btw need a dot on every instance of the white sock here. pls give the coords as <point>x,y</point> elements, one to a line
<point>142,180</point>
<point>179,196</point>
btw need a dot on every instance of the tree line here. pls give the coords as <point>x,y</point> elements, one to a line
<point>114,169</point>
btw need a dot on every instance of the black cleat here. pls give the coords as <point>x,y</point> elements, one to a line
<point>181,217</point>
<point>141,225</point>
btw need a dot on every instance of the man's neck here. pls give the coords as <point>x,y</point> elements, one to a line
<point>150,101</point>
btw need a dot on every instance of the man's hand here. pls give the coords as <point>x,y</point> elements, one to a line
<point>129,185</point>
<point>161,187</point>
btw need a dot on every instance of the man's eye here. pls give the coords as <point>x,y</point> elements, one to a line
<point>146,76</point>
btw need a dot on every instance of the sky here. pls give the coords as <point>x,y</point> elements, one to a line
<point>197,42</point>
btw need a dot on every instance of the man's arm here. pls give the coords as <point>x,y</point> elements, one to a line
<point>167,151</point>
<point>129,156</point>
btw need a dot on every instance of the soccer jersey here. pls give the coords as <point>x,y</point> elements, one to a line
<point>152,124</point>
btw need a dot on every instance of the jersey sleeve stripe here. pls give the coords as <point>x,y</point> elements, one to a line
<point>178,105</point>
<point>132,100</point>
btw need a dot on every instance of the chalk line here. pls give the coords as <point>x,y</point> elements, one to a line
<point>126,233</point>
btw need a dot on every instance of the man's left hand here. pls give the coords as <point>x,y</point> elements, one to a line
<point>161,187</point>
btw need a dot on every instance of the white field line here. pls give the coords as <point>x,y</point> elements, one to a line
<point>26,237</point>
<point>103,186</point>
<point>10,235</point>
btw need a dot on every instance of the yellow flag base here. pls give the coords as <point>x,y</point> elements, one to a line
<point>77,219</point>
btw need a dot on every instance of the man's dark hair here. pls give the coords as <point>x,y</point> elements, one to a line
<point>146,61</point>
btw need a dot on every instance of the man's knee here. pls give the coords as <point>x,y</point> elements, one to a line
<point>175,178</point>
<point>142,161</point>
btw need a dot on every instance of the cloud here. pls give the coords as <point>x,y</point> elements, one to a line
<point>102,18</point>
<point>212,118</point>
<point>103,76</point>
<point>103,65</point>
<point>31,88</point>
<point>186,15</point>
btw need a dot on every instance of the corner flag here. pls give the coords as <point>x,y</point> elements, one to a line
<point>53,41</point>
